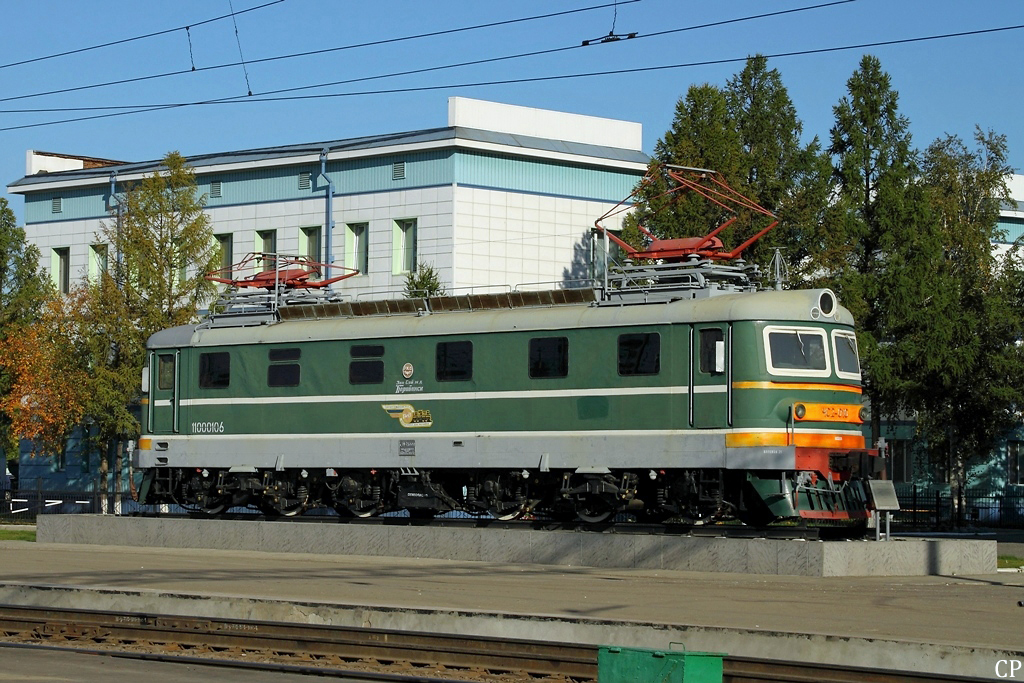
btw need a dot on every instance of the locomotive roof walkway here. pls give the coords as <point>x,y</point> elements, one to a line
<point>942,624</point>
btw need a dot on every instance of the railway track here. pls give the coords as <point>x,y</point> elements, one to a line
<point>363,653</point>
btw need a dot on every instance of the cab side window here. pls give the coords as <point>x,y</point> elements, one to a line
<point>549,357</point>
<point>214,370</point>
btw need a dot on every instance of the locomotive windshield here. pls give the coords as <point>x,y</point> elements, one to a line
<point>797,351</point>
<point>847,363</point>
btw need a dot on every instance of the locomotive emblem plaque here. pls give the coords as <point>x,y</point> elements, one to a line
<point>407,416</point>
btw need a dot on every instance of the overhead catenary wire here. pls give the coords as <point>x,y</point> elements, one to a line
<point>512,81</point>
<point>475,62</point>
<point>311,53</point>
<point>135,38</point>
<point>238,41</point>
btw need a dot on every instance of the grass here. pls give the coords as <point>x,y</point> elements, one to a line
<point>1010,562</point>
<point>17,535</point>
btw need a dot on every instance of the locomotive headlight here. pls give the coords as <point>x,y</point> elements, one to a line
<point>827,302</point>
<point>865,414</point>
<point>799,411</point>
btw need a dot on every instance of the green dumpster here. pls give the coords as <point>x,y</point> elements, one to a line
<point>640,665</point>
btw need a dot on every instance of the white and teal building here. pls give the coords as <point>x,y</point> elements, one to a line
<point>503,196</point>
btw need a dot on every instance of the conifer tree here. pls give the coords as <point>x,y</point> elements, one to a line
<point>749,132</point>
<point>878,242</point>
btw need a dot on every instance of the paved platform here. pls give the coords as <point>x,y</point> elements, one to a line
<point>940,624</point>
<point>901,557</point>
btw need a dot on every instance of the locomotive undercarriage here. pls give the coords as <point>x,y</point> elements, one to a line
<point>684,496</point>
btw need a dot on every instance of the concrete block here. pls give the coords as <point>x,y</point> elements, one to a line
<point>558,548</point>
<point>505,546</point>
<point>649,551</point>
<point>799,558</point>
<point>607,550</point>
<point>902,557</point>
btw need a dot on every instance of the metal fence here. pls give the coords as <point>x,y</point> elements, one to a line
<point>24,505</point>
<point>929,507</point>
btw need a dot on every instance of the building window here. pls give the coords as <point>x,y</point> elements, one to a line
<point>549,357</point>
<point>60,269</point>
<point>309,244</point>
<point>225,243</point>
<point>214,370</point>
<point>403,255</point>
<point>640,354</point>
<point>454,361</point>
<point>305,180</point>
<point>97,261</point>
<point>266,244</point>
<point>357,246</point>
<point>398,170</point>
<point>215,189</point>
<point>1015,463</point>
<point>56,205</point>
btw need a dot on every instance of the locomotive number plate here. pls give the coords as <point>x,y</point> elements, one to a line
<point>830,412</point>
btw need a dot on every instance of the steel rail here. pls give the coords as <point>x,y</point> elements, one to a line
<point>348,651</point>
<point>299,642</point>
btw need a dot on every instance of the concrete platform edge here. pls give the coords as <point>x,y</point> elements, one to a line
<point>905,557</point>
<point>805,647</point>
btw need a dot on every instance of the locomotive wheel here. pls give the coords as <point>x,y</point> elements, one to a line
<point>345,511</point>
<point>502,504</point>
<point>594,510</point>
<point>213,508</point>
<point>508,511</point>
<point>288,508</point>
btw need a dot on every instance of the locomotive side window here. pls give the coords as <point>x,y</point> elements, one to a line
<point>284,354</point>
<point>366,372</point>
<point>640,354</point>
<point>844,346</point>
<point>549,357</point>
<point>454,361</point>
<point>214,370</point>
<point>283,375</point>
<point>711,339</point>
<point>797,351</point>
<point>367,351</point>
<point>165,372</point>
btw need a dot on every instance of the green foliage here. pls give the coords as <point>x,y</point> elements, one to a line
<point>879,238</point>
<point>972,386</point>
<point>424,282</point>
<point>749,132</point>
<point>166,247</point>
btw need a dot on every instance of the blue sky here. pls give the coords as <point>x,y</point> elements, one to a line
<point>945,86</point>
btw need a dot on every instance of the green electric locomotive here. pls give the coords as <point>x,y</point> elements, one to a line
<point>678,391</point>
<point>744,404</point>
